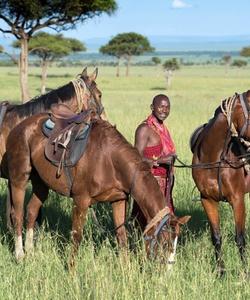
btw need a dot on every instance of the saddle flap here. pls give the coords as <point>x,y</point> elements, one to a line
<point>67,139</point>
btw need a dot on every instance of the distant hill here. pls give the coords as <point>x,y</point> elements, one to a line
<point>199,43</point>
<point>184,43</point>
<point>169,43</point>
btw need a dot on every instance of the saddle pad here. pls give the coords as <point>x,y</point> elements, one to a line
<point>49,124</point>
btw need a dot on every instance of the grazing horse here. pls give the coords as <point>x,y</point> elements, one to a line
<point>221,167</point>
<point>79,94</point>
<point>108,171</point>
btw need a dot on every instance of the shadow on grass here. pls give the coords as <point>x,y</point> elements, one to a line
<point>99,228</point>
<point>159,88</point>
<point>57,217</point>
<point>66,75</point>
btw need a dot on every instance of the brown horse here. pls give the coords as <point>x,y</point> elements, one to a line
<point>79,94</point>
<point>221,167</point>
<point>108,171</point>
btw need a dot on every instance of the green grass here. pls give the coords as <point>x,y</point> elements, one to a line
<point>101,272</point>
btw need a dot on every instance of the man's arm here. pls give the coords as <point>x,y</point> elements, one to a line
<point>141,141</point>
<point>141,138</point>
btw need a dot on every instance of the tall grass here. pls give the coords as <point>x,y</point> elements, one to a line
<point>102,272</point>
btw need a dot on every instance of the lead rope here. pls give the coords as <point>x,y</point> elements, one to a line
<point>80,90</point>
<point>227,111</point>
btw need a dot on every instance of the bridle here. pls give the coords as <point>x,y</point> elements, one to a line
<point>163,217</point>
<point>246,110</point>
<point>82,89</point>
<point>227,107</point>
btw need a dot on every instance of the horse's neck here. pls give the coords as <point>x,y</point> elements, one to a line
<point>148,195</point>
<point>216,135</point>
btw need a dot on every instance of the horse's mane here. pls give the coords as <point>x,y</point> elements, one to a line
<point>43,103</point>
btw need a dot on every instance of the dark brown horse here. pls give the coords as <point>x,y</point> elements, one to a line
<point>221,167</point>
<point>79,94</point>
<point>108,171</point>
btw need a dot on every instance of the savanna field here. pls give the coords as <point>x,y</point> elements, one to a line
<point>101,271</point>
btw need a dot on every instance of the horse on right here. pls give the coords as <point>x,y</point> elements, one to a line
<point>220,167</point>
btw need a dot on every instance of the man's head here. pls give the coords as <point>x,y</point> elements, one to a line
<point>160,107</point>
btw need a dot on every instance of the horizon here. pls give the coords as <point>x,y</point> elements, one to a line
<point>169,43</point>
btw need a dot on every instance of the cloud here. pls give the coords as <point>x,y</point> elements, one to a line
<point>180,4</point>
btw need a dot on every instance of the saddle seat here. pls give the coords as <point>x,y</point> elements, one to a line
<point>67,135</point>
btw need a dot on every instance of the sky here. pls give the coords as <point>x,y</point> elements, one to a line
<point>170,18</point>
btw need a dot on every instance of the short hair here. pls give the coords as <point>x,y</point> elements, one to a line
<point>160,97</point>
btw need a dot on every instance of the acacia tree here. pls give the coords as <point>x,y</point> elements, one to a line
<point>226,60</point>
<point>170,66</point>
<point>245,52</point>
<point>48,48</point>
<point>22,18</point>
<point>156,60</point>
<point>113,50</point>
<point>126,45</point>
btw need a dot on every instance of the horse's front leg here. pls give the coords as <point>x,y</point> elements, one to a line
<point>211,209</point>
<point>238,206</point>
<point>119,216</point>
<point>17,194</point>
<point>80,209</point>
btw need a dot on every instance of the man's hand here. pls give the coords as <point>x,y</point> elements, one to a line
<point>169,159</point>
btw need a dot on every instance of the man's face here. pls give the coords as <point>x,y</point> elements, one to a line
<point>161,109</point>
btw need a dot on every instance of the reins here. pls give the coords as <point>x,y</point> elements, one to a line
<point>216,164</point>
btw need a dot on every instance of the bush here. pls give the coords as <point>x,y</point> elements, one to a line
<point>239,63</point>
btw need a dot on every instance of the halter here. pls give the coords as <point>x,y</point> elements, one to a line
<point>81,89</point>
<point>228,110</point>
<point>164,217</point>
<point>246,110</point>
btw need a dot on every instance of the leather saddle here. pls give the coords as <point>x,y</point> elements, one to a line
<point>195,135</point>
<point>67,135</point>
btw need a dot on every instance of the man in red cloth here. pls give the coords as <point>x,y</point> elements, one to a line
<point>154,143</point>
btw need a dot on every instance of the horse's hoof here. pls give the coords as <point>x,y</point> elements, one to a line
<point>221,272</point>
<point>19,256</point>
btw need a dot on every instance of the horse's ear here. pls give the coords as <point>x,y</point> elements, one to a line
<point>184,220</point>
<point>84,72</point>
<point>94,75</point>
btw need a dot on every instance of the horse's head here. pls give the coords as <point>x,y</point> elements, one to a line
<point>161,238</point>
<point>241,116</point>
<point>237,112</point>
<point>87,94</point>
